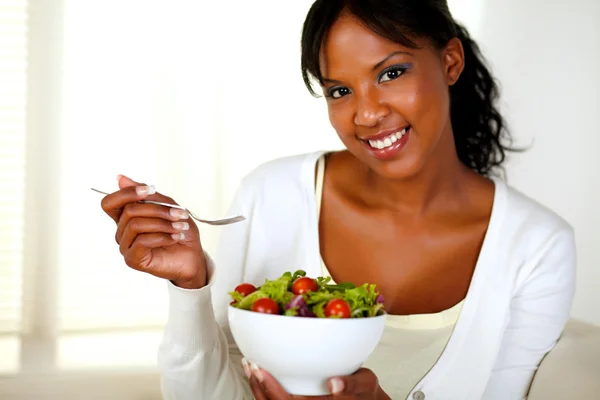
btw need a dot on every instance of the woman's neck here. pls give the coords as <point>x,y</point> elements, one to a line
<point>419,194</point>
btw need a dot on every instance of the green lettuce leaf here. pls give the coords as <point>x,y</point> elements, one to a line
<point>362,299</point>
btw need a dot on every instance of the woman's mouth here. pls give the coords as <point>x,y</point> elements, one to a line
<point>388,146</point>
<point>389,140</point>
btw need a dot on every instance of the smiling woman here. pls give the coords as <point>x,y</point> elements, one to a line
<point>421,45</point>
<point>477,278</point>
<point>187,101</point>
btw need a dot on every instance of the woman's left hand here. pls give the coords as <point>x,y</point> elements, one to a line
<point>362,385</point>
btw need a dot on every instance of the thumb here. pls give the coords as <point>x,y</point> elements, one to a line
<point>364,381</point>
<point>125,182</point>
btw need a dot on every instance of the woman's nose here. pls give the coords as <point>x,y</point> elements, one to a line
<point>370,110</point>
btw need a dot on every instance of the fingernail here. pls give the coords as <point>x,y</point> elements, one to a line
<point>119,177</point>
<point>145,190</point>
<point>181,226</point>
<point>337,385</point>
<point>246,366</point>
<point>178,236</point>
<point>180,214</point>
<point>257,373</point>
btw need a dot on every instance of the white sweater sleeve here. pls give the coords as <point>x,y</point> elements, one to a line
<point>539,311</point>
<point>198,359</point>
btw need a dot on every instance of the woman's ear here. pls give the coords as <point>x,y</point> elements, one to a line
<point>454,60</point>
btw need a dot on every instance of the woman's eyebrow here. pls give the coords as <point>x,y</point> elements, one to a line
<point>327,80</point>
<point>380,63</point>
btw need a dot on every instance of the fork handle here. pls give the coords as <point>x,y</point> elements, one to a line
<point>158,203</point>
<point>149,201</point>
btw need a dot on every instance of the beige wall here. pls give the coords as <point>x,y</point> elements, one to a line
<point>547,56</point>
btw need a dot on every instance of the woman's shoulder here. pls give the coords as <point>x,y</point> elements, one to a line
<point>280,186</point>
<point>530,225</point>
<point>283,173</point>
<point>524,210</point>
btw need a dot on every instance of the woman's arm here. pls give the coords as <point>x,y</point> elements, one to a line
<point>538,314</point>
<point>197,358</point>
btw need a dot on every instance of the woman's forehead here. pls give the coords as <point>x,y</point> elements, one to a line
<point>350,41</point>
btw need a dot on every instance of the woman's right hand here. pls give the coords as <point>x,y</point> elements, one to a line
<point>159,240</point>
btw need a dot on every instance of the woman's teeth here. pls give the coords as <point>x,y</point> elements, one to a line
<point>388,141</point>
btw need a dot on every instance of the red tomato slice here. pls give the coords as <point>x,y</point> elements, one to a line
<point>338,308</point>
<point>245,289</point>
<point>265,306</point>
<point>303,285</point>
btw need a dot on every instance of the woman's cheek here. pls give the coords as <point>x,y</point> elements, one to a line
<point>342,120</point>
<point>403,100</point>
<point>430,109</point>
<point>429,94</point>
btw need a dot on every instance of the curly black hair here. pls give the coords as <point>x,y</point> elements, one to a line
<point>480,133</point>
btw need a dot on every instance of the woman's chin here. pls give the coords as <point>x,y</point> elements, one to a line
<point>405,167</point>
<point>398,170</point>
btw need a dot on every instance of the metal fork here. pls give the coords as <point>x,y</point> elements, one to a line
<point>220,221</point>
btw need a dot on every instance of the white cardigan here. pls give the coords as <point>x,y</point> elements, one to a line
<point>517,305</point>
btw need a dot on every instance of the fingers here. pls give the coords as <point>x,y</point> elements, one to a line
<point>124,205</point>
<point>114,203</point>
<point>140,256</point>
<point>364,381</point>
<point>137,226</point>
<point>263,385</point>
<point>271,386</point>
<point>156,239</point>
<point>124,182</point>
<point>134,211</point>
<point>130,192</point>
<point>257,390</point>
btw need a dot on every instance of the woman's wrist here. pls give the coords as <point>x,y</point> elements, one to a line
<point>197,281</point>
<point>193,284</point>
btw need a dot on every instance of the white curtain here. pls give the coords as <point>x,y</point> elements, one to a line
<point>183,95</point>
<point>13,65</point>
<point>188,96</point>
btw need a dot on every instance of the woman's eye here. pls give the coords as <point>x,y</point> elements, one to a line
<point>391,74</point>
<point>337,93</point>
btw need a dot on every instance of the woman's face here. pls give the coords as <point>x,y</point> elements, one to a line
<point>388,103</point>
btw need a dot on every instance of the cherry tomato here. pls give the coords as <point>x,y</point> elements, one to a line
<point>303,285</point>
<point>265,306</point>
<point>337,308</point>
<point>245,289</point>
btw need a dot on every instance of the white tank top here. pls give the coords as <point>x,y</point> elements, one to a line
<point>411,344</point>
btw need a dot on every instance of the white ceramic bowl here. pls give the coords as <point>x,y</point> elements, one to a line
<point>304,353</point>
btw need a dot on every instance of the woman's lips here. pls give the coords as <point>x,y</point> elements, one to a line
<point>386,146</point>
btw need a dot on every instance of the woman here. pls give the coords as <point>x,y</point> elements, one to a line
<point>478,279</point>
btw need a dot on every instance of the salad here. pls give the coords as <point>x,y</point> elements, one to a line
<point>297,295</point>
